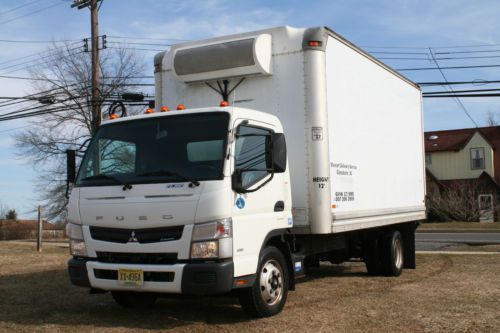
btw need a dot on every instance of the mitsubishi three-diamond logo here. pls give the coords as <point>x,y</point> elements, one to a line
<point>132,238</point>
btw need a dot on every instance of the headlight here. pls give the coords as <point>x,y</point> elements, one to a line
<point>77,248</point>
<point>76,243</point>
<point>209,249</point>
<point>212,240</point>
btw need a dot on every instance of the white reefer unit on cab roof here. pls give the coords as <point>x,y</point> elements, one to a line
<point>353,125</point>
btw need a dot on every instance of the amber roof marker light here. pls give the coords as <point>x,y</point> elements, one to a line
<point>181,107</point>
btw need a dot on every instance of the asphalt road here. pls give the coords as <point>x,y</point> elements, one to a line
<point>437,241</point>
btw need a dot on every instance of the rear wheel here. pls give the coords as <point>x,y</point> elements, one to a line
<point>130,299</point>
<point>268,295</point>
<point>391,251</point>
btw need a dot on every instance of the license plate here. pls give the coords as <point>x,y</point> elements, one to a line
<point>131,277</point>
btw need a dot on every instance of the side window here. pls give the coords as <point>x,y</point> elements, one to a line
<point>251,154</point>
<point>477,158</point>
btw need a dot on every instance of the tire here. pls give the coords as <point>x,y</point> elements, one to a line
<point>267,296</point>
<point>392,254</point>
<point>130,299</point>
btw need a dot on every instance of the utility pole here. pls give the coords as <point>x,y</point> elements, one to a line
<point>40,229</point>
<point>94,42</point>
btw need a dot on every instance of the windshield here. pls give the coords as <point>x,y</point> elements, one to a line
<point>179,148</point>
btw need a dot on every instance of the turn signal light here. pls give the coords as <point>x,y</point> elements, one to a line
<point>164,109</point>
<point>150,110</point>
<point>224,103</point>
<point>314,43</point>
<point>114,116</point>
<point>181,107</point>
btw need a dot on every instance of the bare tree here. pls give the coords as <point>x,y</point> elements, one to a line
<point>3,211</point>
<point>458,201</point>
<point>63,78</point>
<point>491,119</point>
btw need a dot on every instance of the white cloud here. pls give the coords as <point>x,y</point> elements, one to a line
<point>213,18</point>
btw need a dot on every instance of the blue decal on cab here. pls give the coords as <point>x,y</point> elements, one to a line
<point>240,203</point>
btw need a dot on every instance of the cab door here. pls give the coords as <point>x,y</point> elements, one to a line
<point>261,198</point>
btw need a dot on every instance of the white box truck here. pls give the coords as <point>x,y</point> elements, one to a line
<point>289,147</point>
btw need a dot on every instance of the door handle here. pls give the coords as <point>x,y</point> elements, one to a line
<point>279,206</point>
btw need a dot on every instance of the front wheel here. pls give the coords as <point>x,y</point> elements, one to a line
<point>268,295</point>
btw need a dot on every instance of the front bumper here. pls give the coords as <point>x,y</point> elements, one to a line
<point>183,278</point>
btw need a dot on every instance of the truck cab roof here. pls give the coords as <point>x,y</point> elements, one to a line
<point>235,112</point>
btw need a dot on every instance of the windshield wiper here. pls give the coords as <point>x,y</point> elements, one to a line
<point>169,173</point>
<point>126,186</point>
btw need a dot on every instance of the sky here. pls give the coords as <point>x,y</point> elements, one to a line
<point>386,28</point>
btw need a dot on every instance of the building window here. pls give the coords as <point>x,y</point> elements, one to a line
<point>428,159</point>
<point>477,158</point>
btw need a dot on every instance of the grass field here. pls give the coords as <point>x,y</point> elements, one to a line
<point>446,293</point>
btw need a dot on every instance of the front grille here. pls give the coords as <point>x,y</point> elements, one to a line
<point>108,274</point>
<point>137,258</point>
<point>143,236</point>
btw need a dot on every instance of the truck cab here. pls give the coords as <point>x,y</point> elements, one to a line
<point>179,202</point>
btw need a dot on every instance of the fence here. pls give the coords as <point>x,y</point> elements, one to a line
<point>29,233</point>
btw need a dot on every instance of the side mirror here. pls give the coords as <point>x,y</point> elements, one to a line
<point>279,152</point>
<point>70,165</point>
<point>236,180</point>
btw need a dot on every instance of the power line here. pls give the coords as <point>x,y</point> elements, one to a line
<point>426,47</point>
<point>37,41</point>
<point>458,91</point>
<point>136,49</point>
<point>18,7</point>
<point>449,67</point>
<point>41,58</point>
<point>32,13</point>
<point>469,51</point>
<point>136,43</point>
<point>442,58</point>
<point>149,38</point>
<point>473,82</point>
<point>461,96</point>
<point>459,102</point>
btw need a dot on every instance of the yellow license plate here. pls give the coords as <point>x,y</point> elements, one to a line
<point>131,277</point>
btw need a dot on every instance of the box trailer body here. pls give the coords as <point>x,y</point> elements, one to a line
<point>246,212</point>
<point>354,126</point>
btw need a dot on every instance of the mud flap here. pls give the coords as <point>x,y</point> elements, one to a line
<point>408,233</point>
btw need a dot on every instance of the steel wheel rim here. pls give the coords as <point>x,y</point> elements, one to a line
<point>271,282</point>
<point>398,253</point>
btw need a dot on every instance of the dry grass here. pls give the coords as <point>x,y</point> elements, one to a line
<point>460,226</point>
<point>458,293</point>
